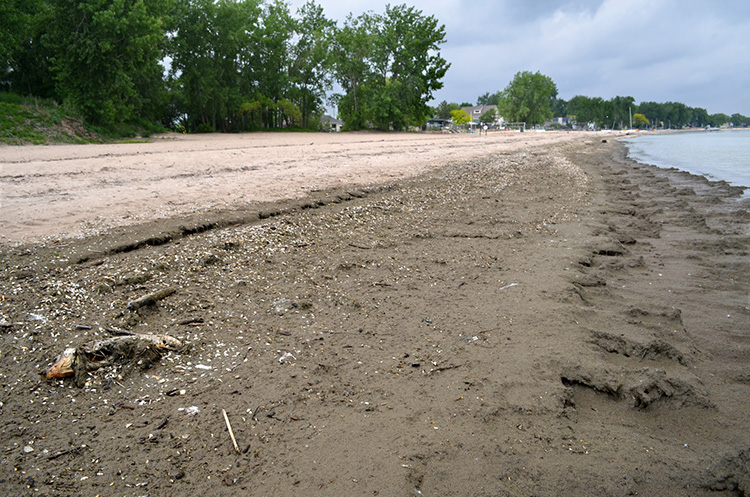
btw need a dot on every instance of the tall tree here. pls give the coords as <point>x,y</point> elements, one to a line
<point>209,48</point>
<point>620,110</point>
<point>274,51</point>
<point>16,18</point>
<point>559,107</point>
<point>443,110</point>
<point>25,61</point>
<point>527,98</point>
<point>699,117</point>
<point>590,110</point>
<point>407,54</point>
<point>652,112</point>
<point>389,66</point>
<point>739,120</point>
<point>489,99</point>
<point>310,60</point>
<point>351,62</point>
<point>14,24</point>
<point>107,54</point>
<point>717,120</point>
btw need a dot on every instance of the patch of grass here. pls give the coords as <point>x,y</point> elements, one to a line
<point>42,121</point>
<point>38,121</point>
<point>122,132</point>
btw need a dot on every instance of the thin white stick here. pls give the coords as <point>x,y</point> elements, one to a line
<point>231,433</point>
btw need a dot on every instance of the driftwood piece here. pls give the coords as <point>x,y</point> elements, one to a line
<point>150,299</point>
<point>127,350</point>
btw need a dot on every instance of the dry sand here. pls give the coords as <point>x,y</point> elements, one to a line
<point>498,319</point>
<point>71,190</point>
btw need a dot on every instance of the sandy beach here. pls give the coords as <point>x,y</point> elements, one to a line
<point>74,190</point>
<point>391,315</point>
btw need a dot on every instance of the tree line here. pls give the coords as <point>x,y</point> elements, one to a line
<point>532,98</point>
<point>227,65</point>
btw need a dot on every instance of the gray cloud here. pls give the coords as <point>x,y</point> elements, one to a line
<point>689,51</point>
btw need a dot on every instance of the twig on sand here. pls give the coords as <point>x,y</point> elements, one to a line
<point>231,433</point>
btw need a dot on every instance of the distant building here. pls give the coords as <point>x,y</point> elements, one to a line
<point>437,123</point>
<point>330,123</point>
<point>569,122</point>
<point>476,112</point>
<point>562,121</point>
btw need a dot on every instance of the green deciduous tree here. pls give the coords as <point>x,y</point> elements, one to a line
<point>106,56</point>
<point>274,58</point>
<point>25,61</point>
<point>310,63</point>
<point>673,114</point>
<point>389,66</point>
<point>351,55</point>
<point>619,110</point>
<point>16,30</point>
<point>489,98</point>
<point>559,107</point>
<point>639,120</point>
<point>698,117</point>
<point>212,44</point>
<point>587,110</point>
<point>460,117</point>
<point>489,116</point>
<point>738,120</point>
<point>717,120</point>
<point>527,98</point>
<point>443,110</point>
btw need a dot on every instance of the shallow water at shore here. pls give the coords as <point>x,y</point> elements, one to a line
<point>720,155</point>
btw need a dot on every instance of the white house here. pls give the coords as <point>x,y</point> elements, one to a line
<point>330,123</point>
<point>476,112</point>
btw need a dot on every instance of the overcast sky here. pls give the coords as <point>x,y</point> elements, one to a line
<point>690,51</point>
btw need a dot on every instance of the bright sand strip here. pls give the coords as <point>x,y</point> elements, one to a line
<point>73,190</point>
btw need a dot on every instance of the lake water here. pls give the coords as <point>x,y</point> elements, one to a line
<point>717,155</point>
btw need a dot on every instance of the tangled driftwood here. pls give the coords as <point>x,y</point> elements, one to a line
<point>135,350</point>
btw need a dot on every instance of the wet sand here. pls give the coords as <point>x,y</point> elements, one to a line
<point>537,320</point>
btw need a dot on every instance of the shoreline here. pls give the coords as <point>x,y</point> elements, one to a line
<point>697,166</point>
<point>549,320</point>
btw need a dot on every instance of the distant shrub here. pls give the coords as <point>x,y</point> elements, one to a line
<point>204,128</point>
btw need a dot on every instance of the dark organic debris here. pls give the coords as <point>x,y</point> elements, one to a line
<point>130,349</point>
